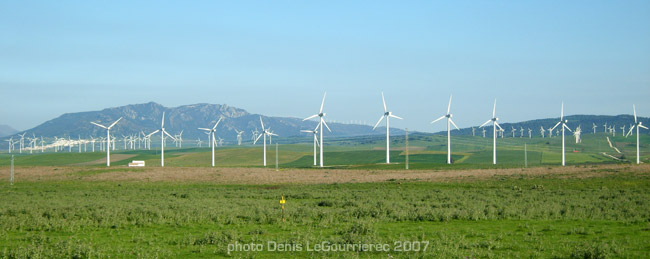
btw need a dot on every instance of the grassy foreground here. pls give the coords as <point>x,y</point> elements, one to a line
<point>505,216</point>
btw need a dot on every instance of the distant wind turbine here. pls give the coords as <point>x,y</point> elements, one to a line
<point>265,132</point>
<point>564,126</point>
<point>637,124</point>
<point>315,133</point>
<point>211,136</point>
<point>386,115</point>
<point>494,120</point>
<point>163,132</point>
<point>321,123</point>
<point>108,136</point>
<point>449,121</point>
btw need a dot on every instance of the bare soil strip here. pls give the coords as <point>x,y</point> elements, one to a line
<point>308,176</point>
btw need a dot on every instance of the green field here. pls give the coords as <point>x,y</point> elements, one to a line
<point>603,215</point>
<point>517,216</point>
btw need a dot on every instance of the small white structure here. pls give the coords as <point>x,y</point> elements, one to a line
<point>136,163</point>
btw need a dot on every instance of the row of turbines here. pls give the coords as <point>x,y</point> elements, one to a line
<point>145,139</point>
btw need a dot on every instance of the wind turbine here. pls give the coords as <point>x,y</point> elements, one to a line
<point>542,131</point>
<point>386,115</point>
<point>594,127</point>
<point>163,132</point>
<point>448,116</point>
<point>494,120</point>
<point>239,133</point>
<point>210,133</point>
<point>564,126</point>
<point>265,131</point>
<point>108,136</point>
<point>530,133</point>
<point>315,132</point>
<point>321,122</point>
<point>623,130</point>
<point>637,124</point>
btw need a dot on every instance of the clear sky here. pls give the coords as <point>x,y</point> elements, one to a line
<point>278,57</point>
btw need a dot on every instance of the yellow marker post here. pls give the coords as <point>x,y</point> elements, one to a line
<point>282,202</point>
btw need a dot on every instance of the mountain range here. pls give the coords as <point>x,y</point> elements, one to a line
<point>146,118</point>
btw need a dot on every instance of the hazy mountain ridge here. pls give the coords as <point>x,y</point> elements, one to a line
<point>188,118</point>
<point>6,130</point>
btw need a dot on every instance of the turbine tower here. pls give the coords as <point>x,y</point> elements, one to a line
<point>210,133</point>
<point>315,132</point>
<point>108,136</point>
<point>163,132</point>
<point>449,121</point>
<point>321,123</point>
<point>386,115</point>
<point>494,120</point>
<point>564,126</point>
<point>265,132</point>
<point>638,125</point>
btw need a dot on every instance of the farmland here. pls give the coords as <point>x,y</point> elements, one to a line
<point>69,205</point>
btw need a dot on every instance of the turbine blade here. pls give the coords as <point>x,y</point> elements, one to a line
<point>396,117</point>
<point>262,123</point>
<point>641,126</point>
<point>273,134</point>
<point>258,138</point>
<point>164,131</point>
<point>452,123</point>
<point>384,101</point>
<point>562,111</point>
<point>558,123</point>
<point>488,121</point>
<point>311,117</point>
<point>205,129</point>
<point>153,133</point>
<point>630,131</point>
<point>449,106</point>
<point>316,139</point>
<point>322,103</point>
<point>162,124</point>
<point>567,127</point>
<point>307,131</point>
<point>634,108</point>
<point>494,109</point>
<point>379,121</point>
<point>97,124</point>
<point>115,123</point>
<point>498,126</point>
<point>441,117</point>
<point>328,127</point>
<point>215,125</point>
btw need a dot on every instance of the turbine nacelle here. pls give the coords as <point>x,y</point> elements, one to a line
<point>322,114</point>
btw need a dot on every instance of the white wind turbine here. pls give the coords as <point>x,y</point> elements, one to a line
<point>594,127</point>
<point>239,138</point>
<point>637,124</point>
<point>494,120</point>
<point>315,132</point>
<point>163,132</point>
<point>321,122</point>
<point>542,131</point>
<point>108,136</point>
<point>210,133</point>
<point>386,115</point>
<point>448,116</point>
<point>564,126</point>
<point>265,131</point>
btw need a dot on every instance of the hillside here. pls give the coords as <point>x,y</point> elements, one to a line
<point>146,118</point>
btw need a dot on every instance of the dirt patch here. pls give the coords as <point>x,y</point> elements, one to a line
<point>114,158</point>
<point>309,176</point>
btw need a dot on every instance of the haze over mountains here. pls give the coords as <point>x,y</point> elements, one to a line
<point>188,118</point>
<point>147,117</point>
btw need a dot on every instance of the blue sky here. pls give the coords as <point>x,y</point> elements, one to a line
<point>278,57</point>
